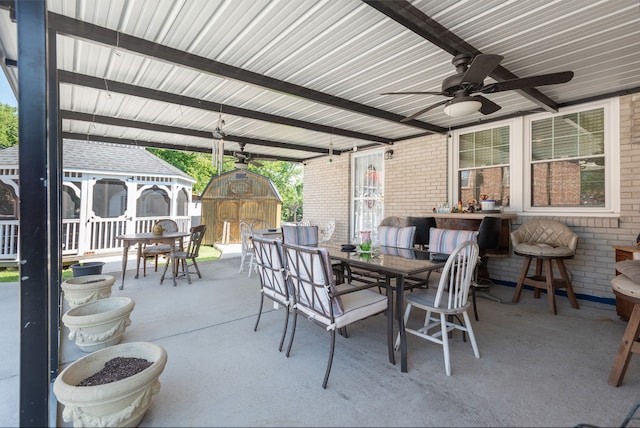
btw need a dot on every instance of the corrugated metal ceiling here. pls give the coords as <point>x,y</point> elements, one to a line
<point>337,51</point>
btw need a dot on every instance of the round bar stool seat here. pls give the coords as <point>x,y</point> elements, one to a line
<point>628,290</point>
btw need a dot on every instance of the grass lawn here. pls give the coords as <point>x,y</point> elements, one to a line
<point>11,274</point>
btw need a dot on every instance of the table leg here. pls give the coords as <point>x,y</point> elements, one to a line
<point>402,332</point>
<point>125,253</point>
<point>138,257</point>
<point>390,312</point>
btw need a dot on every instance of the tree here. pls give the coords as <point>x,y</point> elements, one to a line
<point>286,176</point>
<point>8,126</point>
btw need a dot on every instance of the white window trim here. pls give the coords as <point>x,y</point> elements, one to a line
<point>611,153</point>
<point>519,158</point>
<point>454,159</point>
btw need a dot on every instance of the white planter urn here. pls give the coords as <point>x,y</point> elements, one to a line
<point>88,288</point>
<point>96,325</point>
<point>122,403</point>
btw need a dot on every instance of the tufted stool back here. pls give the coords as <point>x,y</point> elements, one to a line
<point>544,237</point>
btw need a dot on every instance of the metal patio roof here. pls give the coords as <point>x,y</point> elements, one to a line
<point>291,78</point>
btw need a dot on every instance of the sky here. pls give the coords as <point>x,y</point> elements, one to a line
<point>6,94</point>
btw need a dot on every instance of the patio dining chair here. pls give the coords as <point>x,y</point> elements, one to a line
<point>191,253</point>
<point>317,297</point>
<point>273,284</point>
<point>157,250</point>
<point>447,301</point>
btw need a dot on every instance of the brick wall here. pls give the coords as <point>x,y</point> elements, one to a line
<point>416,182</point>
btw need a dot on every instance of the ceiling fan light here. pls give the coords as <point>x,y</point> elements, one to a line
<point>459,107</point>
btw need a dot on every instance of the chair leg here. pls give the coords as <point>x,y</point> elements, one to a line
<point>551,295</point>
<point>333,345</point>
<point>407,312</point>
<point>255,328</point>
<point>472,336</point>
<point>250,265</point>
<point>565,277</point>
<point>536,290</point>
<point>166,267</point>
<point>521,278</point>
<point>473,300</point>
<point>156,262</point>
<point>195,264</point>
<point>284,330</point>
<point>188,273</point>
<point>293,332</point>
<point>445,344</point>
<point>627,345</point>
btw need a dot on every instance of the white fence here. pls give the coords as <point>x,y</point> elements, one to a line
<point>99,235</point>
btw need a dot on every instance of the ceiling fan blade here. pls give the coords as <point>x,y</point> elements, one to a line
<point>480,67</point>
<point>413,116</point>
<point>528,82</point>
<point>255,163</point>
<point>488,106</point>
<point>412,93</point>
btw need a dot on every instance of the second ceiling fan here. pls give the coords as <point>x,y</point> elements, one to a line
<point>469,79</point>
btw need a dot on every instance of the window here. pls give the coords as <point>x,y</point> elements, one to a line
<point>367,184</point>
<point>182,208</point>
<point>567,162</point>
<point>153,202</point>
<point>109,198</point>
<point>8,202</point>
<point>71,201</point>
<point>483,166</point>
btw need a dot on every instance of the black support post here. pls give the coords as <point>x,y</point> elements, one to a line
<point>34,236</point>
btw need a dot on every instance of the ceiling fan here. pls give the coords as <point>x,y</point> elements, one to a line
<point>469,79</point>
<point>242,160</point>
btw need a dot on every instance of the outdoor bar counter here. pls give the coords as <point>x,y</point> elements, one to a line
<point>471,221</point>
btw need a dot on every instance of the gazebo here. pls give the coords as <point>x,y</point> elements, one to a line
<point>108,189</point>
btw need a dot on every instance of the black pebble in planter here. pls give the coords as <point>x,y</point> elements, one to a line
<point>87,268</point>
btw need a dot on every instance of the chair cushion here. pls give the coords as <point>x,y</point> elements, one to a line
<point>400,237</point>
<point>623,285</point>
<point>630,269</point>
<point>359,305</point>
<point>541,249</point>
<point>157,249</point>
<point>446,240</point>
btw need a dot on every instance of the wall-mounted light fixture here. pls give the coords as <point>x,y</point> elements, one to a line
<point>388,154</point>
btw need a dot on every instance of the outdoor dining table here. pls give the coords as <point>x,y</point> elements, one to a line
<point>128,240</point>
<point>274,233</point>
<point>398,263</point>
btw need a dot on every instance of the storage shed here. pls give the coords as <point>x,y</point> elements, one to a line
<point>236,196</point>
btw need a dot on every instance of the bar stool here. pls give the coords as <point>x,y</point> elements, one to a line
<point>628,290</point>
<point>545,241</point>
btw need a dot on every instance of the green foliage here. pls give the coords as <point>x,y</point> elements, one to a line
<point>8,126</point>
<point>197,165</point>
<point>286,176</point>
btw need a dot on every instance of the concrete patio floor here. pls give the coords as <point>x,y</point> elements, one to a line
<point>535,369</point>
